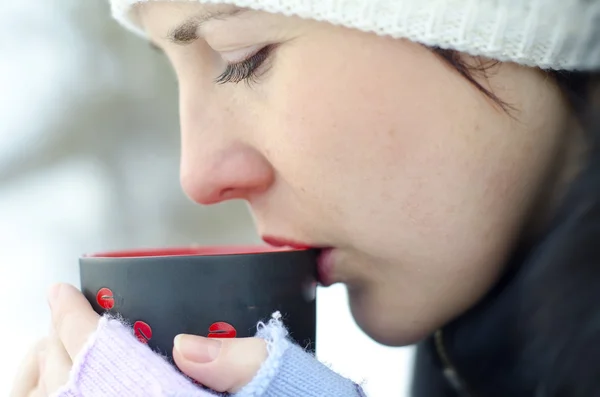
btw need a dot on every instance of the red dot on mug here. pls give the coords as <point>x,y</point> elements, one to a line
<point>142,331</point>
<point>105,298</point>
<point>221,330</point>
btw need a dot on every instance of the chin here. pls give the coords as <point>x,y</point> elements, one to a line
<point>386,327</point>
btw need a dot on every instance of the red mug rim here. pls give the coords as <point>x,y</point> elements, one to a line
<point>193,251</point>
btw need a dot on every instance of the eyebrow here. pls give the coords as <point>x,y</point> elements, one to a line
<point>187,32</point>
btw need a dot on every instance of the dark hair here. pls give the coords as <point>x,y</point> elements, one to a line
<point>575,85</point>
<point>455,60</point>
<point>578,88</point>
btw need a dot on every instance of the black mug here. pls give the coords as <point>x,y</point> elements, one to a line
<point>221,292</point>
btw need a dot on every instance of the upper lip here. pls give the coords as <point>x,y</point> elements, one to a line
<point>286,242</point>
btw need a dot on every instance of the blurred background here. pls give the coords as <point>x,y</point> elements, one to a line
<point>89,153</point>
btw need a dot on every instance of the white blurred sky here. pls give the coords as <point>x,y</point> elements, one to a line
<point>89,161</point>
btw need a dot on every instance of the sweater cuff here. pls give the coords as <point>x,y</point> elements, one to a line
<point>289,371</point>
<point>115,363</point>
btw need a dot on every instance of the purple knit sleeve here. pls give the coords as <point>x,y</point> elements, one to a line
<point>290,371</point>
<point>114,363</point>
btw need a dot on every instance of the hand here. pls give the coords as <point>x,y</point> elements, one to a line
<point>46,368</point>
<point>224,365</point>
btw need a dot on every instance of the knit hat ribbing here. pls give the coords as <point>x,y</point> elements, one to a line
<point>550,34</point>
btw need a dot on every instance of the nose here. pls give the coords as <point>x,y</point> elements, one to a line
<point>226,172</point>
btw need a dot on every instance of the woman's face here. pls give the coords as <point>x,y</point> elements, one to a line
<point>369,145</point>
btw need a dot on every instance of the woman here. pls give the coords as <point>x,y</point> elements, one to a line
<point>445,165</point>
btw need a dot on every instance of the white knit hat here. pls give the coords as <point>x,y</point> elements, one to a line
<point>550,34</point>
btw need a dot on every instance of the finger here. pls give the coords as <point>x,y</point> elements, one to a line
<point>73,318</point>
<point>41,388</point>
<point>57,366</point>
<point>28,374</point>
<point>37,393</point>
<point>224,365</point>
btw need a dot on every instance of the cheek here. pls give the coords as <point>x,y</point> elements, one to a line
<point>335,117</point>
<point>373,126</point>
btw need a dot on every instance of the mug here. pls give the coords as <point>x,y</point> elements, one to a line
<point>217,292</point>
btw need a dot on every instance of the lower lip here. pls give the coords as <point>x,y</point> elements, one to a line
<point>325,267</point>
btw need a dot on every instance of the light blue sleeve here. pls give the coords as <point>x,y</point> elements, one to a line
<point>289,371</point>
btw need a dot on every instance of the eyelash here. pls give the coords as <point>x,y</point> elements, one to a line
<point>247,70</point>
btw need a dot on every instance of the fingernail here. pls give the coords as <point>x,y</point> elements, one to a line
<point>197,349</point>
<point>53,294</point>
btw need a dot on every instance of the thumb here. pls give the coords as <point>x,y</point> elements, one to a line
<point>223,365</point>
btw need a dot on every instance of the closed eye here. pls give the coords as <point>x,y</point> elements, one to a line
<point>247,70</point>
